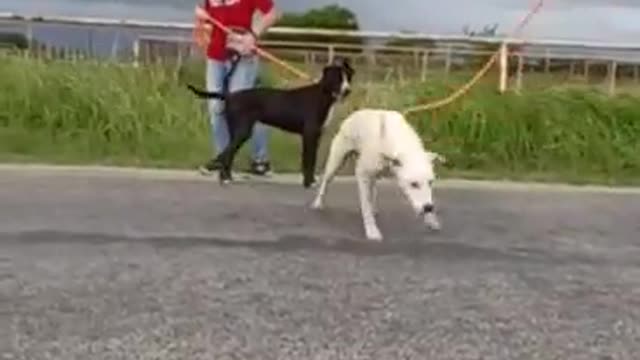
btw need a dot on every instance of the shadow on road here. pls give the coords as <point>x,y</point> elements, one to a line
<point>453,251</point>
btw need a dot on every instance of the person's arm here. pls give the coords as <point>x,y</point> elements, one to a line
<point>270,16</point>
<point>202,29</point>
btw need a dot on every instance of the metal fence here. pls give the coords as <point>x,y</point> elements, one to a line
<point>140,41</point>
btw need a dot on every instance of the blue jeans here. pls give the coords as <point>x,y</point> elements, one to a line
<point>244,77</point>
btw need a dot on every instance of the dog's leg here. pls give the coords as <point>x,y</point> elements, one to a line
<point>238,137</point>
<point>337,155</point>
<point>310,141</point>
<point>368,218</point>
<point>373,193</point>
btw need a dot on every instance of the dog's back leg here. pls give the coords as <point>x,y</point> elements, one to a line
<point>340,148</point>
<point>239,135</point>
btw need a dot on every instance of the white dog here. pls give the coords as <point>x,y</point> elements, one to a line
<point>384,142</point>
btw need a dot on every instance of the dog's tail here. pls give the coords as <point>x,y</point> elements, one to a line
<point>235,58</point>
<point>206,94</point>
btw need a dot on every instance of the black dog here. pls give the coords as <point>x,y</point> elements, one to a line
<point>301,111</point>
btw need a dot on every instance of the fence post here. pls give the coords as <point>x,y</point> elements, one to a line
<point>425,65</point>
<point>136,53</point>
<point>331,53</point>
<point>447,64</point>
<point>373,60</point>
<point>504,67</point>
<point>572,69</point>
<point>547,61</point>
<point>519,73</point>
<point>587,65</point>
<point>613,71</point>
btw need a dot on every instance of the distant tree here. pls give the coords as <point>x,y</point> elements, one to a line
<point>333,17</point>
<point>18,40</point>
<point>327,17</point>
<point>400,42</point>
<point>488,31</point>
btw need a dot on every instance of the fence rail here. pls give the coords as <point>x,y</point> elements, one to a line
<point>447,50</point>
<point>145,24</point>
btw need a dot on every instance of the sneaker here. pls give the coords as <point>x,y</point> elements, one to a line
<point>260,168</point>
<point>225,179</point>
<point>208,168</point>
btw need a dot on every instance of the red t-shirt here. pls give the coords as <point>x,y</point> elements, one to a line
<point>232,13</point>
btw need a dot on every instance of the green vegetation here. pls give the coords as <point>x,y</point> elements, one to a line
<point>332,16</point>
<point>113,114</point>
<point>327,17</point>
<point>16,40</point>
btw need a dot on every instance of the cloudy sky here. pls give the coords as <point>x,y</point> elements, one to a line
<point>608,20</point>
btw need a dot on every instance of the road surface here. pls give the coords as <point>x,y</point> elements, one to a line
<point>151,267</point>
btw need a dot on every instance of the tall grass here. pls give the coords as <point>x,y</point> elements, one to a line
<point>108,113</point>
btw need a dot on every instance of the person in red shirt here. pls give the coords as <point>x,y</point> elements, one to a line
<point>238,15</point>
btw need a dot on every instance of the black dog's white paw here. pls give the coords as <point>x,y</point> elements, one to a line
<point>308,184</point>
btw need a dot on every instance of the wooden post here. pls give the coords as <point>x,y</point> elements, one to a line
<point>136,53</point>
<point>613,71</point>
<point>504,67</point>
<point>425,65</point>
<point>373,60</point>
<point>519,73</point>
<point>587,65</point>
<point>547,61</point>
<point>572,68</point>
<point>331,54</point>
<point>447,64</point>
<point>401,74</point>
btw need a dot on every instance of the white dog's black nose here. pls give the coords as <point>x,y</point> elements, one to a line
<point>428,208</point>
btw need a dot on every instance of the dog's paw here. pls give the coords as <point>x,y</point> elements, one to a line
<point>374,234</point>
<point>225,180</point>
<point>317,204</point>
<point>310,184</point>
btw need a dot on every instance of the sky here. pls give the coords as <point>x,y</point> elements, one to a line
<point>602,20</point>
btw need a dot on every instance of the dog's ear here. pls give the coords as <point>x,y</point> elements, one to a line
<point>342,62</point>
<point>347,65</point>
<point>435,157</point>
<point>393,160</point>
<point>325,81</point>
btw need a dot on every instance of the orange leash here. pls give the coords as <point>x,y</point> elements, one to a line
<point>202,14</point>
<point>466,87</point>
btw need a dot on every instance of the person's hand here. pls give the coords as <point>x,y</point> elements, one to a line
<point>244,43</point>
<point>202,28</point>
<point>202,34</point>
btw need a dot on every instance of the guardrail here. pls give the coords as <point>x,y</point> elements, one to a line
<point>145,24</point>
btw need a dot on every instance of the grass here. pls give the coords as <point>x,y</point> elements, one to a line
<point>113,114</point>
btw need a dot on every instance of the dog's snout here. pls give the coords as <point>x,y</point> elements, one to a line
<point>428,208</point>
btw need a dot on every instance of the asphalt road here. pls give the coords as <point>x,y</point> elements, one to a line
<point>121,268</point>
